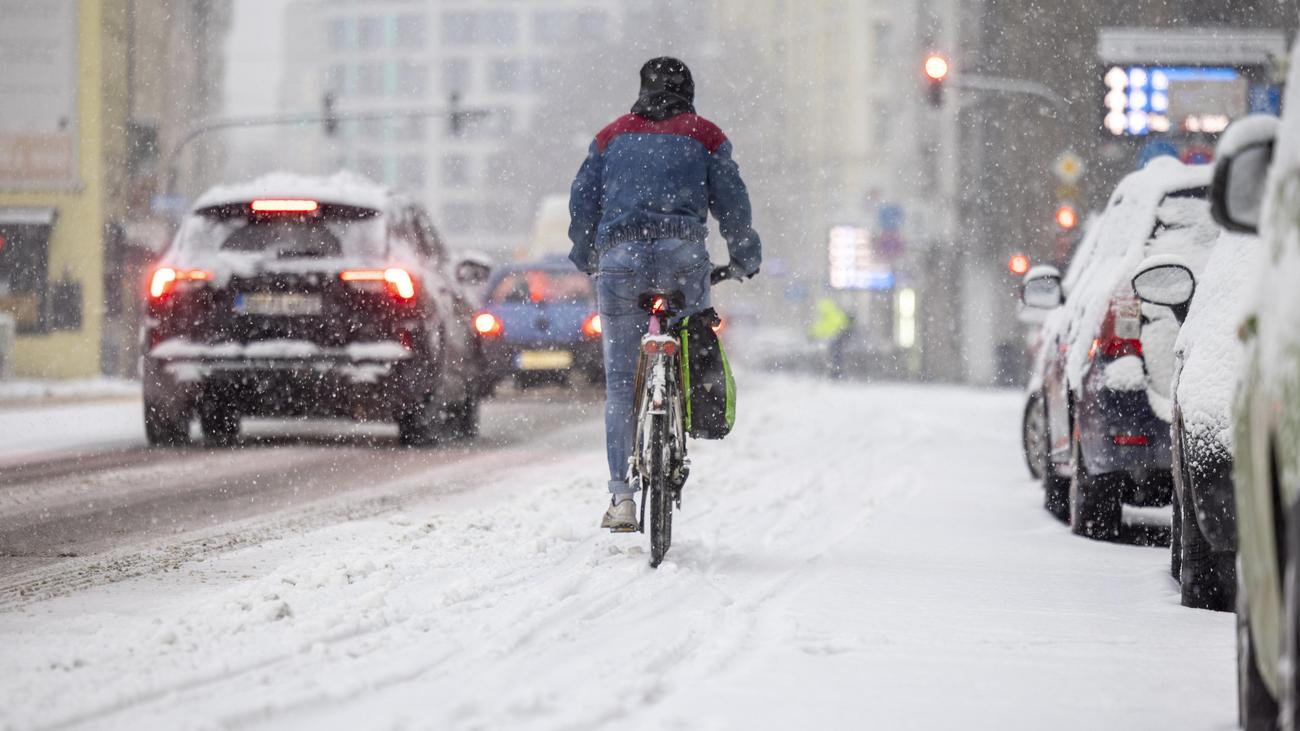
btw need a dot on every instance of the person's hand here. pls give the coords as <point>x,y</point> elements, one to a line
<point>729,271</point>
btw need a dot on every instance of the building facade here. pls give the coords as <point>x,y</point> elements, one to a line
<point>62,173</point>
<point>409,65</point>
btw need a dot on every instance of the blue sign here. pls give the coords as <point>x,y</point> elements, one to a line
<point>1154,149</point>
<point>889,216</point>
<point>1265,99</point>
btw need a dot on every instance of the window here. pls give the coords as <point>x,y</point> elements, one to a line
<point>372,129</point>
<point>455,75</point>
<point>882,42</point>
<point>336,79</point>
<point>412,78</point>
<point>339,33</point>
<point>560,27</point>
<point>499,169</point>
<point>514,74</point>
<point>430,240</point>
<point>409,128</point>
<point>458,216</point>
<point>455,169</point>
<point>495,28</point>
<point>370,33</point>
<point>410,172</point>
<point>411,31</point>
<point>370,79</point>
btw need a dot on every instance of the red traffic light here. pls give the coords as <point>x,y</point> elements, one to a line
<point>1066,217</point>
<point>936,67</point>
<point>1018,264</point>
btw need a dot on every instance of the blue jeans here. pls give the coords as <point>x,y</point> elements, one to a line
<point>627,271</point>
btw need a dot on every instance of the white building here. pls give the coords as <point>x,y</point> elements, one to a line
<point>413,56</point>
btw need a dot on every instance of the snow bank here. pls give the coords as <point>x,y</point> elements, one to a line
<point>32,388</point>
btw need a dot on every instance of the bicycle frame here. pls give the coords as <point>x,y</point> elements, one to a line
<point>658,460</point>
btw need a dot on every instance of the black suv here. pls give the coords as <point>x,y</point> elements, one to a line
<point>326,297</point>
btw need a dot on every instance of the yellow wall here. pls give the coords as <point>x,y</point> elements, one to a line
<point>77,238</point>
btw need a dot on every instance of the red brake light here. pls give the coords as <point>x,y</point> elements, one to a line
<point>399,281</point>
<point>659,305</point>
<point>1121,330</point>
<point>1130,440</point>
<point>284,205</point>
<point>591,327</point>
<point>488,325</point>
<point>164,279</point>
<point>718,325</point>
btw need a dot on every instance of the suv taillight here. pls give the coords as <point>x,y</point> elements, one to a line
<point>399,282</point>
<point>164,279</point>
<point>1121,331</point>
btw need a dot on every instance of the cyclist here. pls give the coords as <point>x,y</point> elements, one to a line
<point>639,208</point>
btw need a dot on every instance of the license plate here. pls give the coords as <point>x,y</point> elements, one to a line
<point>545,360</point>
<point>285,305</point>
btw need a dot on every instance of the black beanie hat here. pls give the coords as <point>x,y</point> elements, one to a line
<point>667,89</point>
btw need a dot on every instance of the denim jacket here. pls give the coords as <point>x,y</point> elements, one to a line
<point>646,180</point>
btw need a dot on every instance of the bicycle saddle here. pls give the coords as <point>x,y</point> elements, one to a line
<point>662,303</point>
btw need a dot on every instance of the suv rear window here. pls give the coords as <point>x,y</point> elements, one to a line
<point>331,231</point>
<point>540,285</point>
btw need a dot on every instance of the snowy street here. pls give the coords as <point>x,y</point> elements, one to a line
<point>852,556</point>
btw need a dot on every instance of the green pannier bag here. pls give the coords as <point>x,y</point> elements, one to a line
<point>707,382</point>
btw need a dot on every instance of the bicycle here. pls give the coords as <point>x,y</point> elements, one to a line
<point>659,465</point>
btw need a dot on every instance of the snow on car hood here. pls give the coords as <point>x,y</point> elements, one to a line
<point>343,188</point>
<point>1208,342</point>
<point>1123,232</point>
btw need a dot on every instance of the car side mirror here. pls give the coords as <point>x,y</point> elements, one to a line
<point>1166,280</point>
<point>1041,288</point>
<point>473,270</point>
<point>1240,171</point>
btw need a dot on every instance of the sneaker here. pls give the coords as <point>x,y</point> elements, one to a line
<point>620,517</point>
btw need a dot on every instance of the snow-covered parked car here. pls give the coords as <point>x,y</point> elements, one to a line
<point>300,296</point>
<point>1257,190</point>
<point>1207,357</point>
<point>1107,372</point>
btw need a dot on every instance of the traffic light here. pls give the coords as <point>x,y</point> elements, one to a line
<point>936,72</point>
<point>1066,217</point>
<point>329,120</point>
<point>1018,264</point>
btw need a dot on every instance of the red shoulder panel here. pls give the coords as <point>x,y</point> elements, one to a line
<point>686,125</point>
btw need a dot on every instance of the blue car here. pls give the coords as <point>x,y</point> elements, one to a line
<point>539,324</point>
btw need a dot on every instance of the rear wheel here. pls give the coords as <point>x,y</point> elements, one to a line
<point>219,421</point>
<point>1256,707</point>
<point>661,501</point>
<point>1208,577</point>
<point>1095,507</point>
<point>419,425</point>
<point>1176,539</point>
<point>464,418</point>
<point>166,424</point>
<point>1033,437</point>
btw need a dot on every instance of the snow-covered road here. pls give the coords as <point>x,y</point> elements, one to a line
<point>852,557</point>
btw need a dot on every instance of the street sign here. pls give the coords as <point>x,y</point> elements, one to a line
<point>1068,167</point>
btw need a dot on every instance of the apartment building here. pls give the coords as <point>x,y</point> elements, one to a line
<point>407,62</point>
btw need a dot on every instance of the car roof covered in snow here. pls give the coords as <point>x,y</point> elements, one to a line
<point>342,188</point>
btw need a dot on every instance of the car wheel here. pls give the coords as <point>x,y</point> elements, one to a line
<point>1256,707</point>
<point>419,426</point>
<point>166,424</point>
<point>219,422</point>
<point>1289,719</point>
<point>1033,439</point>
<point>464,418</point>
<point>1176,539</point>
<point>1208,577</point>
<point>1095,508</point>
